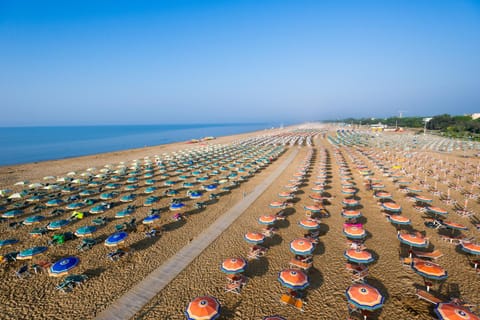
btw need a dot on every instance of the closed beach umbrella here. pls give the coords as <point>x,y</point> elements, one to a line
<point>33,220</point>
<point>351,214</point>
<point>302,246</point>
<point>399,220</point>
<point>453,311</point>
<point>63,266</point>
<point>233,265</point>
<point>470,247</point>
<point>85,231</point>
<point>309,224</point>
<point>358,256</point>
<point>31,252</point>
<point>413,240</point>
<point>294,279</point>
<point>151,219</point>
<point>392,207</point>
<point>57,224</point>
<point>8,242</point>
<point>203,308</point>
<point>254,237</point>
<point>12,213</point>
<point>267,219</point>
<point>354,232</point>
<point>364,297</point>
<point>429,270</point>
<point>116,239</point>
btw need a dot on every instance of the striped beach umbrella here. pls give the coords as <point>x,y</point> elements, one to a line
<point>318,188</point>
<point>413,189</point>
<point>392,207</point>
<point>351,214</point>
<point>302,246</point>
<point>349,191</point>
<point>203,308</point>
<point>364,297</point>
<point>316,197</point>
<point>399,220</point>
<point>354,232</point>
<point>413,240</point>
<point>116,239</point>
<point>254,237</point>
<point>309,224</point>
<point>358,256</point>
<point>294,279</point>
<point>195,195</point>
<point>54,203</point>
<point>377,186</point>
<point>454,226</point>
<point>267,219</point>
<point>12,213</point>
<point>453,311</point>
<point>233,265</point>
<point>383,195</point>
<point>8,242</point>
<point>177,206</point>
<point>63,266</point>
<point>470,247</point>
<point>429,270</point>
<point>31,252</point>
<point>285,194</point>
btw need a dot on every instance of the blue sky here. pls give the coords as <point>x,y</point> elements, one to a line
<point>135,62</point>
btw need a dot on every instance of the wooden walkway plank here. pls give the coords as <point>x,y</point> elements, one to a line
<point>133,301</point>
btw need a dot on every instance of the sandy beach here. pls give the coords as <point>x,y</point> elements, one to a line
<point>35,297</point>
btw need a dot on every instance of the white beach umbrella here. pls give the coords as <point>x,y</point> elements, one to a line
<point>21,183</point>
<point>16,195</point>
<point>49,178</point>
<point>71,173</point>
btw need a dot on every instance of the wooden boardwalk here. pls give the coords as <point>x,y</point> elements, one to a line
<point>133,301</point>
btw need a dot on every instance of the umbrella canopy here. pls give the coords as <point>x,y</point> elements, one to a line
<point>277,204</point>
<point>318,188</point>
<point>302,246</point>
<point>203,308</point>
<point>316,197</point>
<point>413,189</point>
<point>423,199</point>
<point>383,195</point>
<point>364,296</point>
<point>108,195</point>
<point>392,206</point>
<point>413,240</point>
<point>294,279</point>
<point>452,311</point>
<point>254,237</point>
<point>177,206</point>
<point>128,198</point>
<point>267,219</point>
<point>63,266</point>
<point>401,220</point>
<point>116,239</point>
<point>124,213</point>
<point>57,224</point>
<point>54,202</point>
<point>75,205</point>
<point>437,210</point>
<point>285,194</point>
<point>349,191</point>
<point>309,224</point>
<point>8,242</point>
<point>454,225</point>
<point>354,232</point>
<point>85,231</point>
<point>195,195</point>
<point>274,318</point>
<point>350,202</point>
<point>151,219</point>
<point>377,186</point>
<point>31,252</point>
<point>429,270</point>
<point>358,256</point>
<point>210,187</point>
<point>471,247</point>
<point>33,219</point>
<point>314,209</point>
<point>12,213</point>
<point>233,265</point>
<point>351,214</point>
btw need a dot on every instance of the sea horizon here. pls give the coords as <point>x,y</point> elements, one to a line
<point>27,144</point>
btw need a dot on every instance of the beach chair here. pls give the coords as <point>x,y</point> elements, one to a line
<point>434,255</point>
<point>359,276</point>
<point>427,296</point>
<point>22,272</point>
<point>298,264</point>
<point>256,252</point>
<point>233,287</point>
<point>41,266</point>
<point>86,244</point>
<point>292,301</point>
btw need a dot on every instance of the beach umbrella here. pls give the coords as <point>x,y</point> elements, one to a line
<point>383,195</point>
<point>75,205</point>
<point>210,187</point>
<point>313,209</point>
<point>358,256</point>
<point>277,204</point>
<point>63,266</point>
<point>12,213</point>
<point>150,190</point>
<point>57,224</point>
<point>131,187</point>
<point>124,213</point>
<point>294,279</point>
<point>453,311</point>
<point>436,211</point>
<point>113,186</point>
<point>4,192</point>
<point>423,199</point>
<point>85,231</point>
<point>302,246</point>
<point>195,195</point>
<point>177,206</point>
<point>285,194</point>
<point>274,318</point>
<point>16,195</point>
<point>108,195</point>
<point>172,192</point>
<point>376,186</point>
<point>354,231</point>
<point>399,220</point>
<point>391,206</point>
<point>116,239</point>
<point>254,237</point>
<point>150,182</point>
<point>413,189</point>
<point>234,265</point>
<point>8,242</point>
<point>98,209</point>
<point>151,219</point>
<point>309,224</point>
<point>429,270</point>
<point>318,189</point>
<point>33,220</point>
<point>351,214</point>
<point>413,240</point>
<point>203,308</point>
<point>267,219</point>
<point>169,183</point>
<point>188,185</point>
<point>364,296</point>
<point>54,202</point>
<point>86,193</point>
<point>316,197</point>
<point>470,247</point>
<point>31,252</point>
<point>454,225</point>
<point>128,198</point>
<point>349,190</point>
<point>350,202</point>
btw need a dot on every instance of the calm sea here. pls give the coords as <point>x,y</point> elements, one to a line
<point>31,144</point>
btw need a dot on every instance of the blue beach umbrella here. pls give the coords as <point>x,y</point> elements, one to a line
<point>63,266</point>
<point>98,209</point>
<point>116,239</point>
<point>132,180</point>
<point>177,206</point>
<point>150,181</point>
<point>57,224</point>
<point>210,187</point>
<point>150,201</point>
<point>128,198</point>
<point>150,190</point>
<point>8,242</point>
<point>54,202</point>
<point>86,193</point>
<point>151,219</point>
<point>188,185</point>
<point>172,192</point>
<point>33,219</point>
<point>75,205</point>
<point>131,187</point>
<point>12,213</point>
<point>113,186</point>
<point>124,213</point>
<point>195,195</point>
<point>31,252</point>
<point>108,195</point>
<point>169,183</point>
<point>85,231</point>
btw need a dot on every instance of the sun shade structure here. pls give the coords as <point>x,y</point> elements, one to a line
<point>203,308</point>
<point>451,311</point>
<point>293,279</point>
<point>365,297</point>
